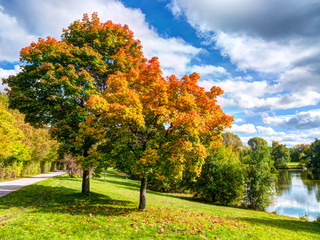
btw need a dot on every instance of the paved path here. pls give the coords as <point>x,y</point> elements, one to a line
<point>8,187</point>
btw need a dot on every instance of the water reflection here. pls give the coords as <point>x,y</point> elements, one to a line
<point>297,194</point>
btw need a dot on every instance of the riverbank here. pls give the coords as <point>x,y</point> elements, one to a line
<point>55,209</point>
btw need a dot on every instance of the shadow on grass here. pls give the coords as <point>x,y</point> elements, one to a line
<point>63,200</point>
<point>286,224</point>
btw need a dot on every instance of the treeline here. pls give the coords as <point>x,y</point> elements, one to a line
<point>308,155</point>
<point>240,174</point>
<point>24,150</point>
<point>232,174</point>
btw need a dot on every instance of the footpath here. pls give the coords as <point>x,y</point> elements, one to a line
<point>10,186</point>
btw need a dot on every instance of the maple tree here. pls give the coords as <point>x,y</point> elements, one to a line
<point>58,78</point>
<point>156,126</point>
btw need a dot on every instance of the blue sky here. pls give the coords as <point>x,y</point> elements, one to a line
<point>265,54</point>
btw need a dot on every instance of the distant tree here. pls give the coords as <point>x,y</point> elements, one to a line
<point>222,177</point>
<point>260,174</point>
<point>58,78</point>
<point>280,154</point>
<point>305,155</point>
<point>315,156</point>
<point>159,127</point>
<point>295,153</point>
<point>232,140</point>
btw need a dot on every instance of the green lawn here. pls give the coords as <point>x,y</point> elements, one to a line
<point>55,209</point>
<point>293,165</point>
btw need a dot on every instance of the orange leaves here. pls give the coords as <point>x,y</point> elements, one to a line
<point>165,125</point>
<point>107,38</point>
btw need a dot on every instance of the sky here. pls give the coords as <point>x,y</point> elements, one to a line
<point>264,54</point>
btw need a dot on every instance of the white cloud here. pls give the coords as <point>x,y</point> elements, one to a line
<point>13,37</point>
<point>254,53</point>
<point>269,131</point>
<point>261,95</point>
<point>302,120</point>
<point>239,120</point>
<point>4,73</point>
<point>260,35</point>
<point>209,70</point>
<point>42,18</point>
<point>244,128</point>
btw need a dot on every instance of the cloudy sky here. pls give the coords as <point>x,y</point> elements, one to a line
<point>265,54</point>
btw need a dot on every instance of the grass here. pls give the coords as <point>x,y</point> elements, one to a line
<point>55,209</point>
<point>293,165</point>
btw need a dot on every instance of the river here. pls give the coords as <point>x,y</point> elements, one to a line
<point>297,194</point>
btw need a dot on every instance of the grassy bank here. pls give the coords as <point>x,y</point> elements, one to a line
<point>55,209</point>
<point>293,165</point>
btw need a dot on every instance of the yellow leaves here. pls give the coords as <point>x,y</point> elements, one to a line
<point>97,104</point>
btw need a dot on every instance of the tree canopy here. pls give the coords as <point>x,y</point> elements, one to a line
<point>159,127</point>
<point>99,95</point>
<point>57,79</point>
<point>280,154</point>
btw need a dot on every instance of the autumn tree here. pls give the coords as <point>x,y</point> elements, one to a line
<point>159,127</point>
<point>57,79</point>
<point>23,148</point>
<point>13,147</point>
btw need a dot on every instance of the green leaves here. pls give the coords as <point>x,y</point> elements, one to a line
<point>21,145</point>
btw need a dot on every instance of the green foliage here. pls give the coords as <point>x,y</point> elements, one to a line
<point>222,177</point>
<point>295,153</point>
<point>260,174</point>
<point>232,140</point>
<point>23,148</point>
<point>305,155</point>
<point>280,154</point>
<point>315,156</point>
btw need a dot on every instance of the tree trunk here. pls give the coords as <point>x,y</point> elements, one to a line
<point>85,177</point>
<point>85,181</point>
<point>42,166</point>
<point>143,191</point>
<point>53,166</point>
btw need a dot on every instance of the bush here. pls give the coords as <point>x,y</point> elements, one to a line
<point>221,179</point>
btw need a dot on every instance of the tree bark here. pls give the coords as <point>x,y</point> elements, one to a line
<point>53,166</point>
<point>143,191</point>
<point>86,177</point>
<point>42,166</point>
<point>86,182</point>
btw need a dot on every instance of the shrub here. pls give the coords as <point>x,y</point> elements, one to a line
<point>221,178</point>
